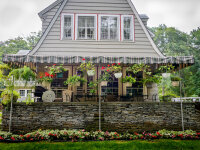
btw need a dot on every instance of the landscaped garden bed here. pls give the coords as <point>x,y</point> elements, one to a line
<point>82,135</point>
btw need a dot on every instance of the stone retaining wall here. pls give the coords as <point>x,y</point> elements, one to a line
<point>119,117</point>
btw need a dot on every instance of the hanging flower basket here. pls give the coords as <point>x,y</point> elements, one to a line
<point>91,72</point>
<point>175,83</point>
<point>128,84</point>
<point>166,75</point>
<point>118,75</point>
<point>104,83</point>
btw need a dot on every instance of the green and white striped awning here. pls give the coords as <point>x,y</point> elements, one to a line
<point>98,59</point>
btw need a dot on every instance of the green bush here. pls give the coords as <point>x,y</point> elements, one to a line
<point>6,96</point>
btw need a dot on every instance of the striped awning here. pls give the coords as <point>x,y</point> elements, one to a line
<point>98,59</point>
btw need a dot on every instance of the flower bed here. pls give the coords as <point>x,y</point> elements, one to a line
<point>82,135</point>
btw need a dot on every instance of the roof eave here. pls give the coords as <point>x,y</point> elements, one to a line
<point>41,13</point>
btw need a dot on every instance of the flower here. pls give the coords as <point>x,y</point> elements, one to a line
<point>108,70</point>
<point>54,64</point>
<point>41,77</point>
<point>83,59</point>
<point>28,135</point>
<point>13,138</point>
<point>47,74</point>
<point>102,68</point>
<point>118,63</point>
<point>1,138</point>
<point>52,75</point>
<point>108,65</point>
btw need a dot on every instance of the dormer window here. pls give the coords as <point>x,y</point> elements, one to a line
<point>127,28</point>
<point>109,27</point>
<point>67,26</point>
<point>86,27</point>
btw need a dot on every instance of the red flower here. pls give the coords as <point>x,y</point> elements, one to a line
<point>13,138</point>
<point>108,65</point>
<point>118,63</point>
<point>1,138</point>
<point>28,136</point>
<point>83,59</point>
<point>47,74</point>
<point>42,138</point>
<point>113,64</point>
<point>103,68</point>
<point>31,139</point>
<point>52,76</point>
<point>54,64</point>
<point>41,77</point>
<point>108,70</point>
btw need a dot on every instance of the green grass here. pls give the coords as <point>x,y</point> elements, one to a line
<point>107,145</point>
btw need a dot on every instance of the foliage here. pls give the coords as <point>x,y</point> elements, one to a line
<point>136,68</point>
<point>72,80</point>
<point>175,78</point>
<point>53,70</point>
<point>166,69</point>
<point>24,73</point>
<point>6,96</point>
<point>173,42</point>
<point>115,68</point>
<point>152,79</point>
<point>94,86</point>
<point>12,46</point>
<point>86,66</point>
<point>168,96</point>
<point>4,66</point>
<point>105,76</point>
<point>129,79</point>
<point>82,135</point>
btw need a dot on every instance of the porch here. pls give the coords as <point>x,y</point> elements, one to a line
<point>115,91</point>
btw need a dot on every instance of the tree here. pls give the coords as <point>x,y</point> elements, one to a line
<point>12,46</point>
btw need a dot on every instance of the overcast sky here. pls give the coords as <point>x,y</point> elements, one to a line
<point>19,17</point>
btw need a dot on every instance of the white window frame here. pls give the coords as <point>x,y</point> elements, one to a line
<point>118,27</point>
<point>95,25</point>
<point>62,26</point>
<point>26,92</point>
<point>131,26</point>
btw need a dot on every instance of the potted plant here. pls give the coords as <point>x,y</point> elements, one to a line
<point>168,69</point>
<point>56,70</point>
<point>46,80</point>
<point>87,67</point>
<point>5,69</point>
<point>151,79</point>
<point>128,81</point>
<point>74,80</point>
<point>175,80</point>
<point>105,78</point>
<point>94,86</point>
<point>116,69</point>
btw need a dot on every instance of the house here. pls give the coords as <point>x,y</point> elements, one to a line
<point>101,31</point>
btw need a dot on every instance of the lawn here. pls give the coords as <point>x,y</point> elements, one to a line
<point>106,145</point>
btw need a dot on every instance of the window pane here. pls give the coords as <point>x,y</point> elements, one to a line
<point>127,28</point>
<point>68,27</point>
<point>109,28</point>
<point>22,93</point>
<point>86,27</point>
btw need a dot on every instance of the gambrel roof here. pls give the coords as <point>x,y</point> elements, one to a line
<point>63,3</point>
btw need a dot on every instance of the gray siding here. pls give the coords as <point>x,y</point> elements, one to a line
<point>52,45</point>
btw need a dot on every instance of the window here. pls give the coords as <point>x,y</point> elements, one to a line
<point>109,28</point>
<point>86,29</point>
<point>67,26</point>
<point>22,93</point>
<point>127,28</point>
